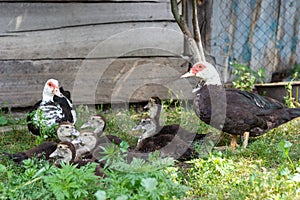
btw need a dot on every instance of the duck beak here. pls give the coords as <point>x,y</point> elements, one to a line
<point>138,127</point>
<point>86,125</point>
<point>75,133</point>
<point>188,74</point>
<point>195,90</point>
<point>53,155</point>
<point>77,141</point>
<point>56,92</point>
<point>146,107</point>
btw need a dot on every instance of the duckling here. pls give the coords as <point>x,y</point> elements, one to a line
<point>85,143</point>
<point>42,151</point>
<point>66,131</point>
<point>168,145</point>
<point>96,124</point>
<point>90,137</point>
<point>171,140</point>
<point>151,125</point>
<point>66,152</point>
<point>55,107</point>
<point>155,108</point>
<point>150,128</point>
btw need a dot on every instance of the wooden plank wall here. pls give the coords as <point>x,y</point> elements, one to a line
<point>102,51</point>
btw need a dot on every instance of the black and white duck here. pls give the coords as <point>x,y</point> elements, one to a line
<point>234,111</point>
<point>55,107</point>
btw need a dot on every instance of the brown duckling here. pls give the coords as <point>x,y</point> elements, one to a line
<point>171,140</point>
<point>66,152</point>
<point>66,131</point>
<point>90,137</point>
<point>42,151</point>
<point>155,108</point>
<point>154,127</point>
<point>97,124</point>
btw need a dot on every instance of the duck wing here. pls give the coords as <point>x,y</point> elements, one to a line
<point>66,108</point>
<point>258,113</point>
<point>254,102</point>
<point>53,113</point>
<point>29,119</point>
<point>66,103</point>
<point>245,111</point>
<point>168,145</point>
<point>66,93</point>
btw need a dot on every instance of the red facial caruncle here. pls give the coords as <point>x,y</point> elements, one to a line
<point>198,67</point>
<point>53,87</point>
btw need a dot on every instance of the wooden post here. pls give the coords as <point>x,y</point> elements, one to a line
<point>193,39</point>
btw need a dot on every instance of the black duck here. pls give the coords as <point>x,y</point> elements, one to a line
<point>234,111</point>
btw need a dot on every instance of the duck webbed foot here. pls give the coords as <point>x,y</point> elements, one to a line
<point>220,148</point>
<point>233,142</point>
<point>246,139</point>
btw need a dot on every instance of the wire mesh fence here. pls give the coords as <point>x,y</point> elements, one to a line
<point>258,33</point>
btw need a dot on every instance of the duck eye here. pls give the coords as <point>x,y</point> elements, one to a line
<point>67,126</point>
<point>50,84</point>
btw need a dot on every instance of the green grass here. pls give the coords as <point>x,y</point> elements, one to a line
<point>258,172</point>
<point>262,171</point>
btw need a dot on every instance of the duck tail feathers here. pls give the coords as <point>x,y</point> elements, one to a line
<point>295,112</point>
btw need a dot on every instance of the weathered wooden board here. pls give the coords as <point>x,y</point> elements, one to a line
<point>102,41</point>
<point>20,17</point>
<point>94,81</point>
<point>86,1</point>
